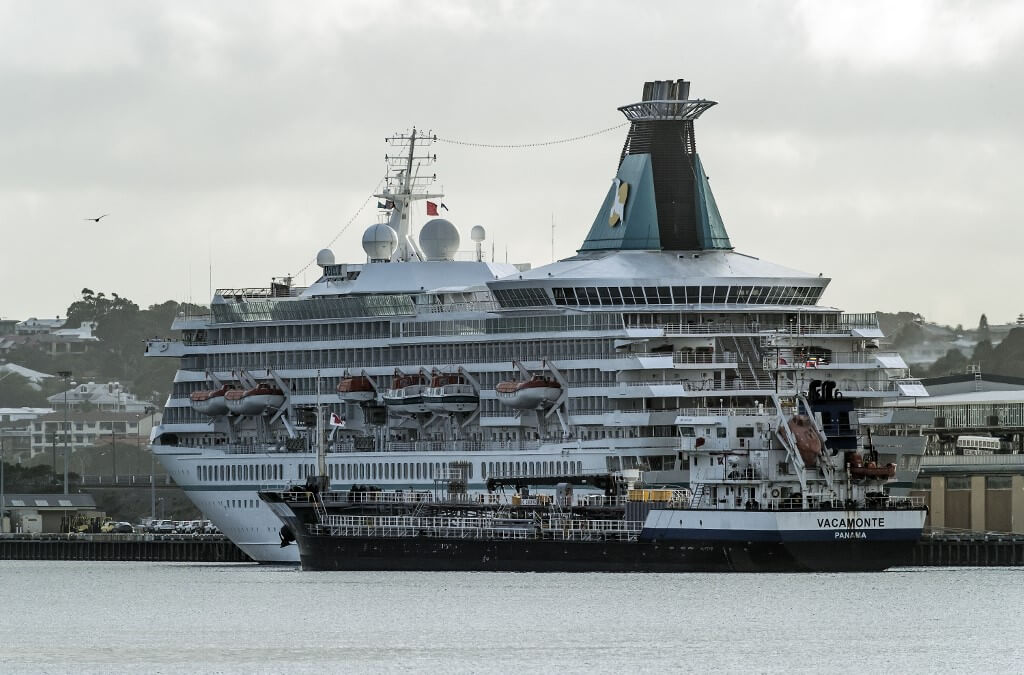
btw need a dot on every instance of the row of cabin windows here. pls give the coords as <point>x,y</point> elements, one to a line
<point>482,351</point>
<point>240,472</point>
<point>385,470</point>
<point>687,295</point>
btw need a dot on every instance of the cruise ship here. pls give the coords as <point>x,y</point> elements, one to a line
<point>599,363</point>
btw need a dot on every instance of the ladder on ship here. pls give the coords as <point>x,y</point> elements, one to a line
<point>698,495</point>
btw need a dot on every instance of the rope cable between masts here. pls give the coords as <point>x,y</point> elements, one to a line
<point>345,226</point>
<point>537,144</point>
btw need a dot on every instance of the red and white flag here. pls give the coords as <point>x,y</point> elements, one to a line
<point>431,209</point>
<point>336,421</point>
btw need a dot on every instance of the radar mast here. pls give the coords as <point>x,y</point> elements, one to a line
<point>407,181</point>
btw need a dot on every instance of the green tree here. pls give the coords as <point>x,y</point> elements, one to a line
<point>983,331</point>
<point>17,391</point>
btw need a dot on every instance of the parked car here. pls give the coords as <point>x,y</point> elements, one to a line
<point>162,527</point>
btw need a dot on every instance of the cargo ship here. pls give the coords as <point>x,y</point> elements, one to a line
<point>770,492</point>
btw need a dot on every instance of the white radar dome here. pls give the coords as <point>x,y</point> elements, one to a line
<point>478,233</point>
<point>325,257</point>
<point>439,239</point>
<point>379,242</point>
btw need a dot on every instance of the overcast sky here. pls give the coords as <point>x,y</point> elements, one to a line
<point>878,143</point>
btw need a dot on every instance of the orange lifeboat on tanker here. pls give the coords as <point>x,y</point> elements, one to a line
<point>808,443</point>
<point>858,468</point>
<point>532,394</point>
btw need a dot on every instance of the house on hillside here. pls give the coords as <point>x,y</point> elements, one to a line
<point>34,326</point>
<point>110,396</point>
<point>49,336</point>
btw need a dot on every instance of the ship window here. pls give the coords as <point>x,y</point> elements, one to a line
<point>744,432</point>
<point>721,432</point>
<point>720,294</point>
<point>687,432</point>
<point>606,296</point>
<point>664,295</point>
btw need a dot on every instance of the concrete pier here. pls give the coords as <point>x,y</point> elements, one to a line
<point>970,550</point>
<point>128,547</point>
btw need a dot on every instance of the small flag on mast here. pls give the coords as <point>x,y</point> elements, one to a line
<point>336,421</point>
<point>432,209</point>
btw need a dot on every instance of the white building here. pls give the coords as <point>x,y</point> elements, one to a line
<point>109,396</point>
<point>91,428</point>
<point>34,326</point>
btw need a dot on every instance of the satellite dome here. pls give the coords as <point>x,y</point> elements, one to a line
<point>379,242</point>
<point>325,257</point>
<point>439,239</point>
<point>478,233</point>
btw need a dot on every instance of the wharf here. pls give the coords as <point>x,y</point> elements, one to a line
<point>123,547</point>
<point>970,549</point>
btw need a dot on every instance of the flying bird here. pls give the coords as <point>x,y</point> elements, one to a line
<point>96,220</point>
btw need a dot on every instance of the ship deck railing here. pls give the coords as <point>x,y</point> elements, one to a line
<point>886,503</point>
<point>471,527</point>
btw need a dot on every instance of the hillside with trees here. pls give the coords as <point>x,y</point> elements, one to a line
<point>122,328</point>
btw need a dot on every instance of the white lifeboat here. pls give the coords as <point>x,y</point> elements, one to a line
<point>356,389</point>
<point>537,392</point>
<point>406,394</point>
<point>255,401</point>
<point>451,393</point>
<point>210,402</point>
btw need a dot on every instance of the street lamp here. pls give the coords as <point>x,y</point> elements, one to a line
<point>66,374</point>
<point>3,458</point>
<point>151,410</point>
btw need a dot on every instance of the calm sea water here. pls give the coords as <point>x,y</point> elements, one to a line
<point>58,617</point>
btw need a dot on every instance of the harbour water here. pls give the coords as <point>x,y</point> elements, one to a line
<point>81,617</point>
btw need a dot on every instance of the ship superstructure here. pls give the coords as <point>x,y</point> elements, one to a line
<point>590,364</point>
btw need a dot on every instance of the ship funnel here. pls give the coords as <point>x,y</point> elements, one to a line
<point>660,198</point>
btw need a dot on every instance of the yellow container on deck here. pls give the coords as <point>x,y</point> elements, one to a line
<point>650,495</point>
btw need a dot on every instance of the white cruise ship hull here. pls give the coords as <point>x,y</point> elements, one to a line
<point>233,505</point>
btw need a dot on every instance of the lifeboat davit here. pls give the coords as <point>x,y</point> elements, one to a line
<point>406,394</point>
<point>858,469</point>
<point>210,402</point>
<point>255,401</point>
<point>808,443</point>
<point>451,393</point>
<point>356,389</point>
<point>537,392</point>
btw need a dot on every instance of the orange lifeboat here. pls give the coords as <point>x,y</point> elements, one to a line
<point>356,388</point>
<point>406,394</point>
<point>808,443</point>
<point>255,401</point>
<point>859,469</point>
<point>449,392</point>
<point>210,402</point>
<point>537,392</point>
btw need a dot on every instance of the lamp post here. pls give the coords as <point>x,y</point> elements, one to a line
<point>3,458</point>
<point>66,374</point>
<point>152,464</point>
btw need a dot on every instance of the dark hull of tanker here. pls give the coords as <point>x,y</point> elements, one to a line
<point>322,553</point>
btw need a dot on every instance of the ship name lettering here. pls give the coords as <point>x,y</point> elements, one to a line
<point>851,523</point>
